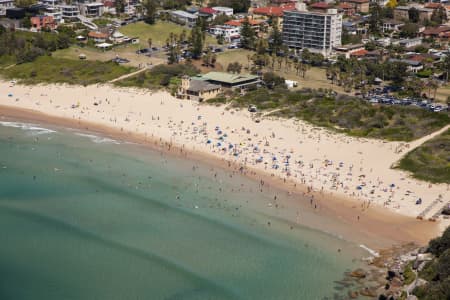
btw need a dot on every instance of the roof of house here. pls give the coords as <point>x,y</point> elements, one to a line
<point>436,30</point>
<point>238,23</point>
<point>407,61</point>
<point>228,78</point>
<point>361,52</point>
<point>393,22</point>
<point>345,5</point>
<point>196,85</point>
<point>433,5</point>
<point>183,14</point>
<point>358,1</point>
<point>97,35</point>
<point>320,5</point>
<point>207,10</point>
<point>276,11</point>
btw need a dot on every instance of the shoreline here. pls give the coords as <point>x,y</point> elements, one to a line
<point>377,228</point>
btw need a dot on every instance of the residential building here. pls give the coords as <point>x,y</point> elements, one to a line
<point>228,32</point>
<point>207,12</point>
<point>4,5</point>
<point>221,10</point>
<point>92,10</point>
<point>52,3</point>
<point>412,65</point>
<point>55,13</point>
<point>40,22</point>
<point>402,12</point>
<point>409,43</point>
<point>361,6</point>
<point>348,50</point>
<point>98,37</point>
<point>347,9</point>
<point>183,17</point>
<point>320,6</point>
<point>69,12</point>
<point>392,25</point>
<point>197,89</point>
<point>316,31</point>
<point>438,33</point>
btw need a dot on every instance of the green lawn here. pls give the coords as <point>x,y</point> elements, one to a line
<point>158,32</point>
<point>431,161</point>
<point>231,56</point>
<point>58,70</point>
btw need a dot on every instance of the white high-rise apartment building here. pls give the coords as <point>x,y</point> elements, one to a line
<point>318,32</point>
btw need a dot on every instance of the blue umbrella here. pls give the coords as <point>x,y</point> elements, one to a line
<point>274,158</point>
<point>10,95</point>
<point>219,144</point>
<point>208,141</point>
<point>230,146</point>
<point>359,187</point>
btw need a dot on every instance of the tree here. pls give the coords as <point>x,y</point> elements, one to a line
<point>375,20</point>
<point>409,30</point>
<point>446,66</point>
<point>150,11</point>
<point>392,4</point>
<point>24,3</point>
<point>438,245</point>
<point>197,41</point>
<point>247,36</point>
<point>234,68</point>
<point>414,15</point>
<point>272,80</point>
<point>120,6</point>
<point>276,38</point>
<point>439,15</point>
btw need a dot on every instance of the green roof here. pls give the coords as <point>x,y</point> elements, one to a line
<point>228,77</point>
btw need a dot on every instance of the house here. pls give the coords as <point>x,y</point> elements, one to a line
<point>402,12</point>
<point>361,6</point>
<point>98,37</point>
<point>55,13</point>
<point>193,88</point>
<point>92,10</point>
<point>40,22</point>
<point>347,9</point>
<point>221,10</point>
<point>183,17</point>
<point>409,43</point>
<point>412,65</point>
<point>207,12</point>
<point>228,80</point>
<point>320,6</point>
<point>4,5</point>
<point>15,13</point>
<point>69,12</point>
<point>228,32</point>
<point>348,50</point>
<point>255,24</point>
<point>392,25</point>
<point>281,2</point>
<point>440,32</point>
<point>272,11</point>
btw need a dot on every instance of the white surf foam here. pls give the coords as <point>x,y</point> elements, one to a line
<point>35,129</point>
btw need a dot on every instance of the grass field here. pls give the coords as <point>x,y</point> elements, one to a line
<point>231,56</point>
<point>92,54</point>
<point>58,70</point>
<point>431,161</point>
<point>158,32</point>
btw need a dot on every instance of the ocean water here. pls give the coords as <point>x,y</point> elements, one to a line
<point>87,217</point>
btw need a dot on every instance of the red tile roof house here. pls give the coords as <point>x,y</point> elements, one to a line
<point>273,11</point>
<point>207,12</point>
<point>347,9</point>
<point>40,22</point>
<point>98,37</point>
<point>440,33</point>
<point>320,6</point>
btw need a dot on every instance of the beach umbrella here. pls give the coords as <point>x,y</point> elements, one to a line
<point>217,128</point>
<point>10,95</point>
<point>219,132</point>
<point>392,185</point>
<point>219,144</point>
<point>230,146</point>
<point>359,187</point>
<point>236,154</point>
<point>208,141</point>
<point>274,158</point>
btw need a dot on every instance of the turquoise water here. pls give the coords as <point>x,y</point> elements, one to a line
<point>83,217</point>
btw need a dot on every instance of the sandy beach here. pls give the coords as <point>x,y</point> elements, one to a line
<point>345,177</point>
